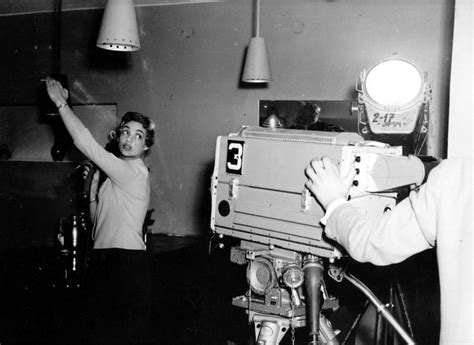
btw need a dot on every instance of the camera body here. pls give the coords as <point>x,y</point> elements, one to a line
<point>258,184</point>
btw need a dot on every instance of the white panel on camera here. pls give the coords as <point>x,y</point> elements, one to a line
<point>364,157</point>
<point>380,169</point>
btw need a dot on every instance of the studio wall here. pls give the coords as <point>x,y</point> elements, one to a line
<point>186,76</point>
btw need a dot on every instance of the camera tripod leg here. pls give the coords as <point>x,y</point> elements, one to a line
<point>269,330</point>
<point>403,305</point>
<point>380,307</point>
<point>355,323</point>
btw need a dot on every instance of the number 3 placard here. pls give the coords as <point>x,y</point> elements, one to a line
<point>235,154</point>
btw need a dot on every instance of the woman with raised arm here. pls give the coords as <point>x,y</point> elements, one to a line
<point>119,284</point>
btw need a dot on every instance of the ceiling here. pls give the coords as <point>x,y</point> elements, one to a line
<point>19,7</point>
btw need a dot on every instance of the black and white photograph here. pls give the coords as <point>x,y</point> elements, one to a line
<point>236,172</point>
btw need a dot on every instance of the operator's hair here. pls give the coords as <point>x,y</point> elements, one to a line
<point>146,122</point>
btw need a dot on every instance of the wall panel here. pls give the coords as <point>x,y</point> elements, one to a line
<point>186,76</point>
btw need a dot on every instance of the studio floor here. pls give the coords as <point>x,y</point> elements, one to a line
<point>192,294</point>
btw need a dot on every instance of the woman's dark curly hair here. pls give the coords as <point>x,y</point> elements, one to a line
<point>146,122</point>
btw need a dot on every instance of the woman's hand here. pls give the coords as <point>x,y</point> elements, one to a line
<point>56,92</point>
<point>94,181</point>
<point>325,182</point>
<point>94,185</point>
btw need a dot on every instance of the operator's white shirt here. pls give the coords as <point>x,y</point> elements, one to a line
<point>438,214</point>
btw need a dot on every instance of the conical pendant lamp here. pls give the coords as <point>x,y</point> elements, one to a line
<point>257,65</point>
<point>119,30</point>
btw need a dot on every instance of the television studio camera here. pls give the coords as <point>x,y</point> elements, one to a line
<point>259,197</point>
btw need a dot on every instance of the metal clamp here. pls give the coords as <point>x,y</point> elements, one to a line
<point>233,188</point>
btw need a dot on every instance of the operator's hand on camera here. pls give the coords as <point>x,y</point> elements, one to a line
<point>325,181</point>
<point>56,92</point>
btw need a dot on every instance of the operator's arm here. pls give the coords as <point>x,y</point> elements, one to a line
<point>387,239</point>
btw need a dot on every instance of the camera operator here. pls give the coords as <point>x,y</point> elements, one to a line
<point>437,214</point>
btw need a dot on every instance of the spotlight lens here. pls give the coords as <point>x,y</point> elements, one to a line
<point>394,83</point>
